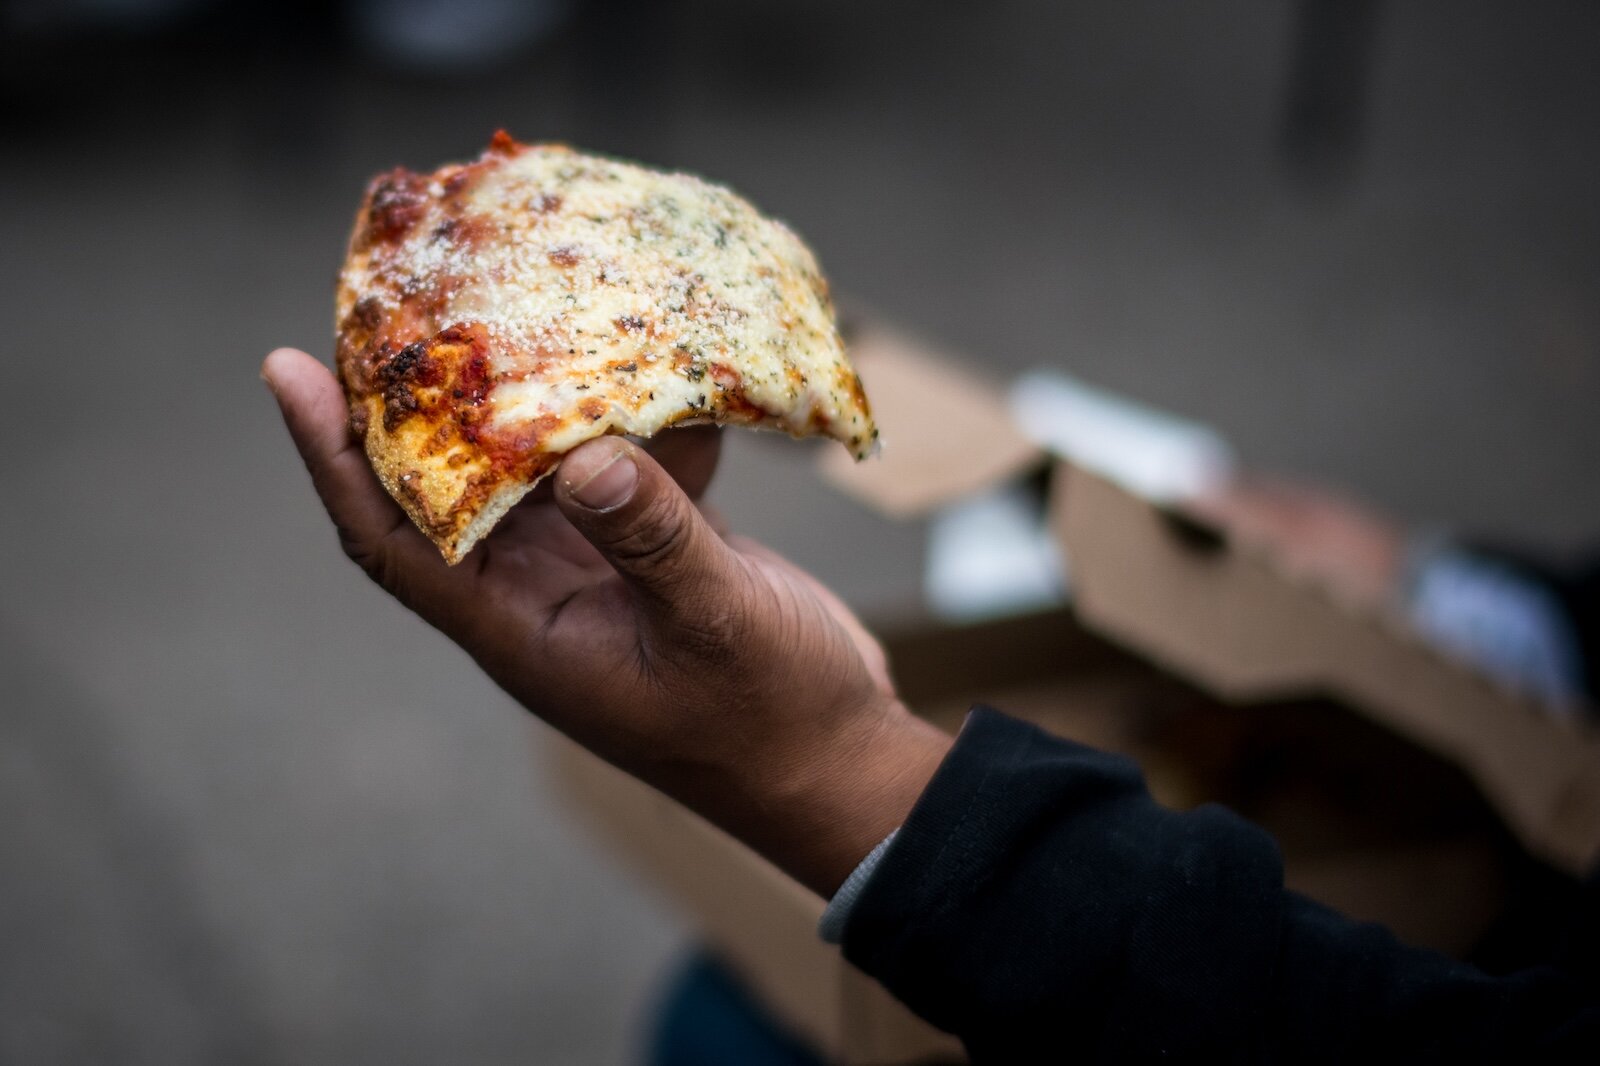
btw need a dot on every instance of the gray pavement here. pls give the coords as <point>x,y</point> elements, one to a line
<point>254,812</point>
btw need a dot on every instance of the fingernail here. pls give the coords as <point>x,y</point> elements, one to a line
<point>266,377</point>
<point>611,485</point>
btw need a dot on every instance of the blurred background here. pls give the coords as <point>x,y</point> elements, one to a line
<point>256,813</point>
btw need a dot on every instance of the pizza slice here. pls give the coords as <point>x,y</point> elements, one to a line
<point>491,316</point>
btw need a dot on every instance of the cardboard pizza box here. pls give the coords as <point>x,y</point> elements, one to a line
<point>761,923</point>
<point>1231,621</point>
<point>1224,615</point>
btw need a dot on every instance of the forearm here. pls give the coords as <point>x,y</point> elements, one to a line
<point>1037,897</point>
<point>817,803</point>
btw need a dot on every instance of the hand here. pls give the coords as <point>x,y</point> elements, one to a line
<point>611,607</point>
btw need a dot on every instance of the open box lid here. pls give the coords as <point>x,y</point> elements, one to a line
<point>1222,615</point>
<point>1228,619</point>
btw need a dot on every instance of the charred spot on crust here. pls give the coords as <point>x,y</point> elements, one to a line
<point>357,332</point>
<point>418,505</point>
<point>358,367</point>
<point>410,484</point>
<point>367,314</point>
<point>593,408</point>
<point>444,378</point>
<point>395,203</point>
<point>630,323</point>
<point>411,365</point>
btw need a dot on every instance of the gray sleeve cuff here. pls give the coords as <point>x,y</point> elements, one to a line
<point>831,927</point>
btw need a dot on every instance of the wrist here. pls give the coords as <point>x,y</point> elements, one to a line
<point>818,809</point>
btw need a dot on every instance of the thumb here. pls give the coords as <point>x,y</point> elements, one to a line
<point>648,529</point>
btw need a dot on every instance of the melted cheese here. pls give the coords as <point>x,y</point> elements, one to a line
<point>613,299</point>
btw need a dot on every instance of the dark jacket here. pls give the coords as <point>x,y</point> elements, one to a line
<point>1040,905</point>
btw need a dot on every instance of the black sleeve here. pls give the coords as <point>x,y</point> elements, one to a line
<point>1040,905</point>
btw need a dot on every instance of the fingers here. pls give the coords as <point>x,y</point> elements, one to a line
<point>645,526</point>
<point>372,528</point>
